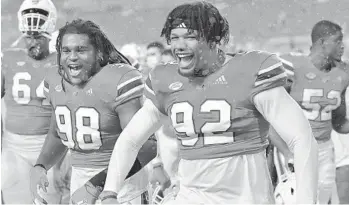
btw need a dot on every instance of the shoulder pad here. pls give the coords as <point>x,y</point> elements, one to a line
<point>164,71</point>
<point>7,51</point>
<point>115,71</point>
<point>343,65</point>
<point>52,74</point>
<point>256,56</point>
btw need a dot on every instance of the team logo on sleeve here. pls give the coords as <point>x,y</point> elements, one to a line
<point>175,86</point>
<point>310,76</point>
<point>58,88</point>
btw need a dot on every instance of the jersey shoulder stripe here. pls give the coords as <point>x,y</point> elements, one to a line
<point>130,86</point>
<point>289,66</point>
<point>270,74</point>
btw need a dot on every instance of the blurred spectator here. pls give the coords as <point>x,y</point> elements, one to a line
<point>154,51</point>
<point>167,56</point>
<point>132,53</point>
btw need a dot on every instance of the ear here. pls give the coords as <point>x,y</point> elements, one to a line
<point>321,41</point>
<point>212,44</point>
<point>99,56</point>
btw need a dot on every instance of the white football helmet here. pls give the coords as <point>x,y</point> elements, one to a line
<point>159,196</point>
<point>37,16</point>
<point>52,44</point>
<point>285,191</point>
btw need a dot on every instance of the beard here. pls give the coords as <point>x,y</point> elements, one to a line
<point>36,53</point>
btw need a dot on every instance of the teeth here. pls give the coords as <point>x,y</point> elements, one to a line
<point>184,55</point>
<point>74,72</point>
<point>73,67</point>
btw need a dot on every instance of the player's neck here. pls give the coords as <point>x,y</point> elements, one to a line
<point>320,61</point>
<point>214,63</point>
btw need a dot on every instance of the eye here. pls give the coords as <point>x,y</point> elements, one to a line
<point>41,38</point>
<point>174,38</point>
<point>191,37</point>
<point>82,50</point>
<point>65,50</point>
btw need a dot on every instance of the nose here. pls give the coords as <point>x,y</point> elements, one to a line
<point>73,56</point>
<point>180,44</point>
<point>342,46</point>
<point>33,41</point>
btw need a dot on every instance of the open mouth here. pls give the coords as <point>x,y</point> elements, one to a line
<point>184,59</point>
<point>35,50</point>
<point>74,70</point>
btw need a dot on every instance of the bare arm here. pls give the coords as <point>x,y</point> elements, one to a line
<point>135,134</point>
<point>340,120</point>
<point>53,149</point>
<point>295,130</point>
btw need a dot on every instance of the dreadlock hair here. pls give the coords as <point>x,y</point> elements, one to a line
<point>324,29</point>
<point>110,55</point>
<point>209,23</point>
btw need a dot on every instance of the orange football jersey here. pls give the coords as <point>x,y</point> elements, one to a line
<point>86,118</point>
<point>28,112</point>
<point>317,92</point>
<point>215,116</point>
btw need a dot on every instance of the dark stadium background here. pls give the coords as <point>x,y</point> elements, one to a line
<point>262,24</point>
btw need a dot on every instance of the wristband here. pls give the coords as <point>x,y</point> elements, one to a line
<point>158,164</point>
<point>109,195</point>
<point>40,165</point>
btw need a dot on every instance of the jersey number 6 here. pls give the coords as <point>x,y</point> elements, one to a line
<point>182,116</point>
<point>87,136</point>
<point>24,89</point>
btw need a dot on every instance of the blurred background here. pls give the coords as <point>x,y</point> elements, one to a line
<point>273,25</point>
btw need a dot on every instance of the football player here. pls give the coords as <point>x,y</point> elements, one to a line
<point>28,113</point>
<point>165,164</point>
<point>94,94</point>
<point>318,85</point>
<point>220,106</point>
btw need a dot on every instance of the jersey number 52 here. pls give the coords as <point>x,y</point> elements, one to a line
<point>87,135</point>
<point>314,110</point>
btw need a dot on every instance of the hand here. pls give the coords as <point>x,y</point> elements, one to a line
<point>108,197</point>
<point>38,180</point>
<point>160,177</point>
<point>87,194</point>
<point>110,201</point>
<point>289,161</point>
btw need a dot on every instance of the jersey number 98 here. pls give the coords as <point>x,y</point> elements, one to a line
<point>87,135</point>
